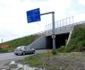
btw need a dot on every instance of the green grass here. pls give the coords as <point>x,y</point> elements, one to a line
<point>36,60</point>
<point>41,60</point>
<point>3,50</point>
<point>77,41</point>
<point>18,42</point>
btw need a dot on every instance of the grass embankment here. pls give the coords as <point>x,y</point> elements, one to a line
<point>36,60</point>
<point>77,41</point>
<point>53,62</point>
<point>18,42</point>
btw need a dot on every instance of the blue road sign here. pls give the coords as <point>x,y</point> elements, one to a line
<point>33,15</point>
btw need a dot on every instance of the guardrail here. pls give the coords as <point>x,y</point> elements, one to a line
<point>64,27</point>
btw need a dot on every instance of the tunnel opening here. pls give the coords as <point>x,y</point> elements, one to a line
<point>60,40</point>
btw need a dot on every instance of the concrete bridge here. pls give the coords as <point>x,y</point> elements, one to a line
<point>62,32</point>
<point>64,28</point>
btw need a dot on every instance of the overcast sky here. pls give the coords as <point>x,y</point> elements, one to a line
<point>13,19</point>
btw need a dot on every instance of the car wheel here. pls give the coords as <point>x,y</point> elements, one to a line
<point>16,54</point>
<point>23,53</point>
<point>33,51</point>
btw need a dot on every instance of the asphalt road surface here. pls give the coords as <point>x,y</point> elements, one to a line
<point>7,56</point>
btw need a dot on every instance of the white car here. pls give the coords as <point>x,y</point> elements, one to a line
<point>22,50</point>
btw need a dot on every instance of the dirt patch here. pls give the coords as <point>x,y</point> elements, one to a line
<point>64,63</point>
<point>3,64</point>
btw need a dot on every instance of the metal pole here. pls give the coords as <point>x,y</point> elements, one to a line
<point>1,40</point>
<point>53,24</point>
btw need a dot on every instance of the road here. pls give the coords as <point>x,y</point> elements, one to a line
<point>6,56</point>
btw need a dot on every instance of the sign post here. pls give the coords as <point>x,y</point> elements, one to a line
<point>53,27</point>
<point>34,15</point>
<point>53,24</point>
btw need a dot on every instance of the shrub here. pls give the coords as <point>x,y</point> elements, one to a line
<point>3,50</point>
<point>54,52</point>
<point>61,49</point>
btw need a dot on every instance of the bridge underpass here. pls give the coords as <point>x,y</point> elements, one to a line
<point>59,40</point>
<point>62,33</point>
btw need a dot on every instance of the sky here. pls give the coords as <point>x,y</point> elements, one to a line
<point>13,18</point>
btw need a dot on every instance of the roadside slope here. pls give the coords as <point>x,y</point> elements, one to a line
<point>19,41</point>
<point>77,41</point>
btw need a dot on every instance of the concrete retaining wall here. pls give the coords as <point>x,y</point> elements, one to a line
<point>39,43</point>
